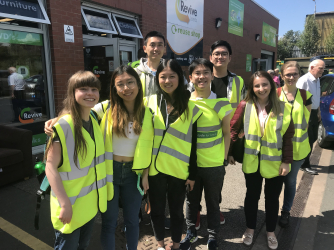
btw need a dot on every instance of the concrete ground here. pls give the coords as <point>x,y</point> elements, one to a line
<point>312,221</point>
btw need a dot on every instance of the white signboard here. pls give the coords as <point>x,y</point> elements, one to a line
<point>184,24</point>
<point>69,33</point>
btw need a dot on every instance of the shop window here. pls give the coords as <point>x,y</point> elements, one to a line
<point>98,21</point>
<point>23,94</point>
<point>127,26</point>
<point>27,10</point>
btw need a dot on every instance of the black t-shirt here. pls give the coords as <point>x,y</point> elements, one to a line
<point>219,86</point>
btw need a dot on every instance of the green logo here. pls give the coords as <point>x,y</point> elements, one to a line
<point>207,134</point>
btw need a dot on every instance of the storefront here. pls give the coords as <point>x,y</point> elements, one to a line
<point>24,47</point>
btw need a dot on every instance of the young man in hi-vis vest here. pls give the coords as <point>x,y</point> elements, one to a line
<point>213,140</point>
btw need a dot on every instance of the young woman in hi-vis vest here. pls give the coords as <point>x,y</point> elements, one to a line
<point>268,130</point>
<point>75,165</point>
<point>173,168</point>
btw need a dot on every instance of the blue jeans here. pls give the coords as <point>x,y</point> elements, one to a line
<point>78,239</point>
<point>290,185</point>
<point>125,188</point>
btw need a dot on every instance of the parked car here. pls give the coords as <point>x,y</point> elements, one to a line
<point>326,126</point>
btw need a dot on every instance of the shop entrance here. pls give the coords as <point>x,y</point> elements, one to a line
<point>102,56</point>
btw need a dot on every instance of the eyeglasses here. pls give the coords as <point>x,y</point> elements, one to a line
<point>217,54</point>
<point>130,85</point>
<point>291,75</point>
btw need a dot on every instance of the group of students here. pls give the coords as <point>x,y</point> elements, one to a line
<point>174,142</point>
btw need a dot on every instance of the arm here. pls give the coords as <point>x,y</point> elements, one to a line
<point>226,133</point>
<point>193,159</point>
<point>51,170</point>
<point>144,180</point>
<point>12,90</point>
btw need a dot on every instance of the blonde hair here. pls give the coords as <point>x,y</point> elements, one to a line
<point>290,64</point>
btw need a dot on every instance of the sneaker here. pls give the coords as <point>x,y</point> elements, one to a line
<point>190,238</point>
<point>212,244</point>
<point>167,223</point>
<point>222,218</point>
<point>272,242</point>
<point>247,239</point>
<point>161,248</point>
<point>284,220</point>
<point>198,221</point>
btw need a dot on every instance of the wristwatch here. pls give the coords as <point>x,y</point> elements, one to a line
<point>225,163</point>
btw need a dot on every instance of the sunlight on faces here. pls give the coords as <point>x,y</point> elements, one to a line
<point>201,77</point>
<point>126,87</point>
<point>87,97</point>
<point>318,70</point>
<point>261,88</point>
<point>220,57</point>
<point>155,47</point>
<point>291,76</point>
<point>168,80</point>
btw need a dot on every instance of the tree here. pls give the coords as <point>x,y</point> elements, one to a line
<point>310,38</point>
<point>330,41</point>
<point>286,44</point>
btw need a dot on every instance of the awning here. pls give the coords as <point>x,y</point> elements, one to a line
<point>28,10</point>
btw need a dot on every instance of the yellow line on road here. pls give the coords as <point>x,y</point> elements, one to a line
<point>23,236</point>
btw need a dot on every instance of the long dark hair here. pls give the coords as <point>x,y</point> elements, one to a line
<point>180,95</point>
<point>273,98</point>
<point>119,113</point>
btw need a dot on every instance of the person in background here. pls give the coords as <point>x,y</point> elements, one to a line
<point>278,74</point>
<point>301,102</point>
<point>268,130</point>
<point>311,83</point>
<point>17,86</point>
<point>330,71</point>
<point>275,78</point>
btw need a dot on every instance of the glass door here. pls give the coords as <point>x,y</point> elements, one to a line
<point>101,57</point>
<point>260,65</point>
<point>127,53</point>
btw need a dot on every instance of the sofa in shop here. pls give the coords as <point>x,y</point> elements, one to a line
<point>15,154</point>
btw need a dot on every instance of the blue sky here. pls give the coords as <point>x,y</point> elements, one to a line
<point>292,13</point>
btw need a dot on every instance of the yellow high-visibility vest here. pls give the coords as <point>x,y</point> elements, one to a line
<point>85,184</point>
<point>270,145</point>
<point>300,116</point>
<point>235,99</point>
<point>172,145</point>
<point>210,138</point>
<point>143,151</point>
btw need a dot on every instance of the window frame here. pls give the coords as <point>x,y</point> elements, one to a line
<point>128,18</point>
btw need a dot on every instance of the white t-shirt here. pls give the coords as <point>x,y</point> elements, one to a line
<point>312,85</point>
<point>125,146</point>
<point>16,80</point>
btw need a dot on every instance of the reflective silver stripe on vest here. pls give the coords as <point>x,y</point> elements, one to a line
<point>251,151</point>
<point>302,126</point>
<point>109,156</point>
<point>212,128</point>
<point>300,139</point>
<point>271,158</point>
<point>269,144</point>
<point>159,131</point>
<point>105,127</point>
<point>247,118</point>
<point>279,125</point>
<point>237,85</point>
<point>210,144</point>
<point>110,178</point>
<point>85,190</point>
<point>155,151</point>
<point>219,105</point>
<point>174,153</point>
<point>253,137</point>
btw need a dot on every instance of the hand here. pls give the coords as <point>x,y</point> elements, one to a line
<point>191,184</point>
<point>48,126</point>
<point>66,213</point>
<point>144,182</point>
<point>284,169</point>
<point>231,160</point>
<point>241,133</point>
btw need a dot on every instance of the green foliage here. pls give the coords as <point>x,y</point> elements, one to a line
<point>286,43</point>
<point>310,38</point>
<point>330,42</point>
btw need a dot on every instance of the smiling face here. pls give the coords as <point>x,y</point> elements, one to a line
<point>201,77</point>
<point>220,57</point>
<point>291,76</point>
<point>86,97</point>
<point>318,69</point>
<point>261,88</point>
<point>168,80</point>
<point>155,48</point>
<point>126,87</point>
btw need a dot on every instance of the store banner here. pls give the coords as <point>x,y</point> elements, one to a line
<point>185,30</point>
<point>269,35</point>
<point>248,63</point>
<point>236,18</point>
<point>18,37</point>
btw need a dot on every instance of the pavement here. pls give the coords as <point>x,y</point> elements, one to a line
<point>311,224</point>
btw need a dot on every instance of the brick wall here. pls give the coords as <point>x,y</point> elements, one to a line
<point>67,58</point>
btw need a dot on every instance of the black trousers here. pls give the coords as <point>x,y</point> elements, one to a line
<point>212,180</point>
<point>175,189</point>
<point>312,135</point>
<point>272,190</point>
